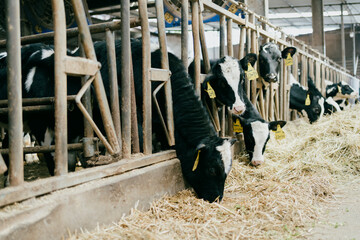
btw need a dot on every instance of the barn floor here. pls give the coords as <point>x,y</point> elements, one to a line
<point>295,194</point>
<point>341,217</point>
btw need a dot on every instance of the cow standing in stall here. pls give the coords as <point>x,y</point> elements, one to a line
<point>341,92</point>
<point>227,72</point>
<point>205,158</point>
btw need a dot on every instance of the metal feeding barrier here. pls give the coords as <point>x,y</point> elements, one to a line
<point>120,120</point>
<point>119,123</point>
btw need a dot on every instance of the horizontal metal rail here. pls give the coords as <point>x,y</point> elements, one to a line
<point>45,149</point>
<point>73,32</point>
<point>43,100</point>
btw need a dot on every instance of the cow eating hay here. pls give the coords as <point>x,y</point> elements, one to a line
<point>274,201</point>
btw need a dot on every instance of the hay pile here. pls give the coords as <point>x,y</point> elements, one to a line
<point>273,201</point>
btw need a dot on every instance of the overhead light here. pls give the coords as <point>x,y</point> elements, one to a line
<point>305,14</point>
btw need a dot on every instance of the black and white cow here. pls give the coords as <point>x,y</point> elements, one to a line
<point>225,72</point>
<point>38,81</point>
<point>340,90</point>
<point>299,95</point>
<point>195,137</point>
<point>270,58</point>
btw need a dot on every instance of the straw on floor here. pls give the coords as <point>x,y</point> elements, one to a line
<point>273,201</point>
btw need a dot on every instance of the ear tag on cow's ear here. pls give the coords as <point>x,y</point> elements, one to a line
<point>279,133</point>
<point>210,91</point>
<point>196,161</point>
<point>237,126</point>
<point>307,101</point>
<point>251,73</point>
<point>289,60</point>
<point>339,89</point>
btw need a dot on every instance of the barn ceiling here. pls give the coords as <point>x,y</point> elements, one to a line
<point>296,14</point>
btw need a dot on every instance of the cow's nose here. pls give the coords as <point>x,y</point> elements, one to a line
<point>239,109</point>
<point>256,162</point>
<point>272,77</point>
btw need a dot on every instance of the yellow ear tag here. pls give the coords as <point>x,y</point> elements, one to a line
<point>237,126</point>
<point>279,133</point>
<point>168,17</point>
<point>289,60</point>
<point>196,161</point>
<point>339,89</point>
<point>307,101</point>
<point>251,74</point>
<point>210,91</point>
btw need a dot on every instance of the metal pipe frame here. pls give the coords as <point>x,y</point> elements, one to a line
<point>134,127</point>
<point>16,168</point>
<point>61,156</point>
<point>165,65</point>
<point>196,36</point>
<point>146,65</point>
<point>184,31</point>
<point>113,81</point>
<point>73,32</point>
<point>125,79</point>
<point>98,83</point>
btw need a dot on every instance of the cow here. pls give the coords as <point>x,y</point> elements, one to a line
<point>269,61</point>
<point>38,81</point>
<point>340,90</point>
<point>256,129</point>
<point>308,101</point>
<point>205,158</point>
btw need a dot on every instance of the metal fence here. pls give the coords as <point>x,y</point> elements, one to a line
<point>120,122</point>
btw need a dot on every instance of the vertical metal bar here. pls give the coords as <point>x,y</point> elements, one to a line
<point>242,42</point>
<point>222,54</point>
<point>98,83</point>
<point>229,37</point>
<point>354,50</point>
<point>204,49</point>
<point>146,64</point>
<point>184,31</point>
<point>317,75</point>
<point>16,168</point>
<point>222,36</point>
<point>343,50</point>
<point>61,156</point>
<point>165,65</point>
<point>88,142</point>
<point>196,37</point>
<point>113,81</point>
<point>134,126</point>
<point>253,50</point>
<point>125,79</point>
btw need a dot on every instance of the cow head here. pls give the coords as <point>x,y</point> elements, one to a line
<point>256,136</point>
<point>270,58</point>
<point>212,161</point>
<point>340,90</point>
<point>226,78</point>
<point>316,109</point>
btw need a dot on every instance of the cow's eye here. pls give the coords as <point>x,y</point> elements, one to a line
<point>212,172</point>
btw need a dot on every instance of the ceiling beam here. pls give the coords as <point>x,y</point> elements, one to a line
<point>303,6</point>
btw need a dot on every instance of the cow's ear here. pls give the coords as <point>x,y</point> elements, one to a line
<point>242,120</point>
<point>311,84</point>
<point>286,51</point>
<point>249,58</point>
<point>273,124</point>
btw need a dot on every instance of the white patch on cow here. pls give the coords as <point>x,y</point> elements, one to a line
<point>327,82</point>
<point>331,101</point>
<point>260,133</point>
<point>231,71</point>
<point>321,103</point>
<point>29,79</point>
<point>48,137</point>
<point>330,90</point>
<point>3,54</point>
<point>45,53</point>
<point>225,152</point>
<point>30,157</point>
<point>294,82</point>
